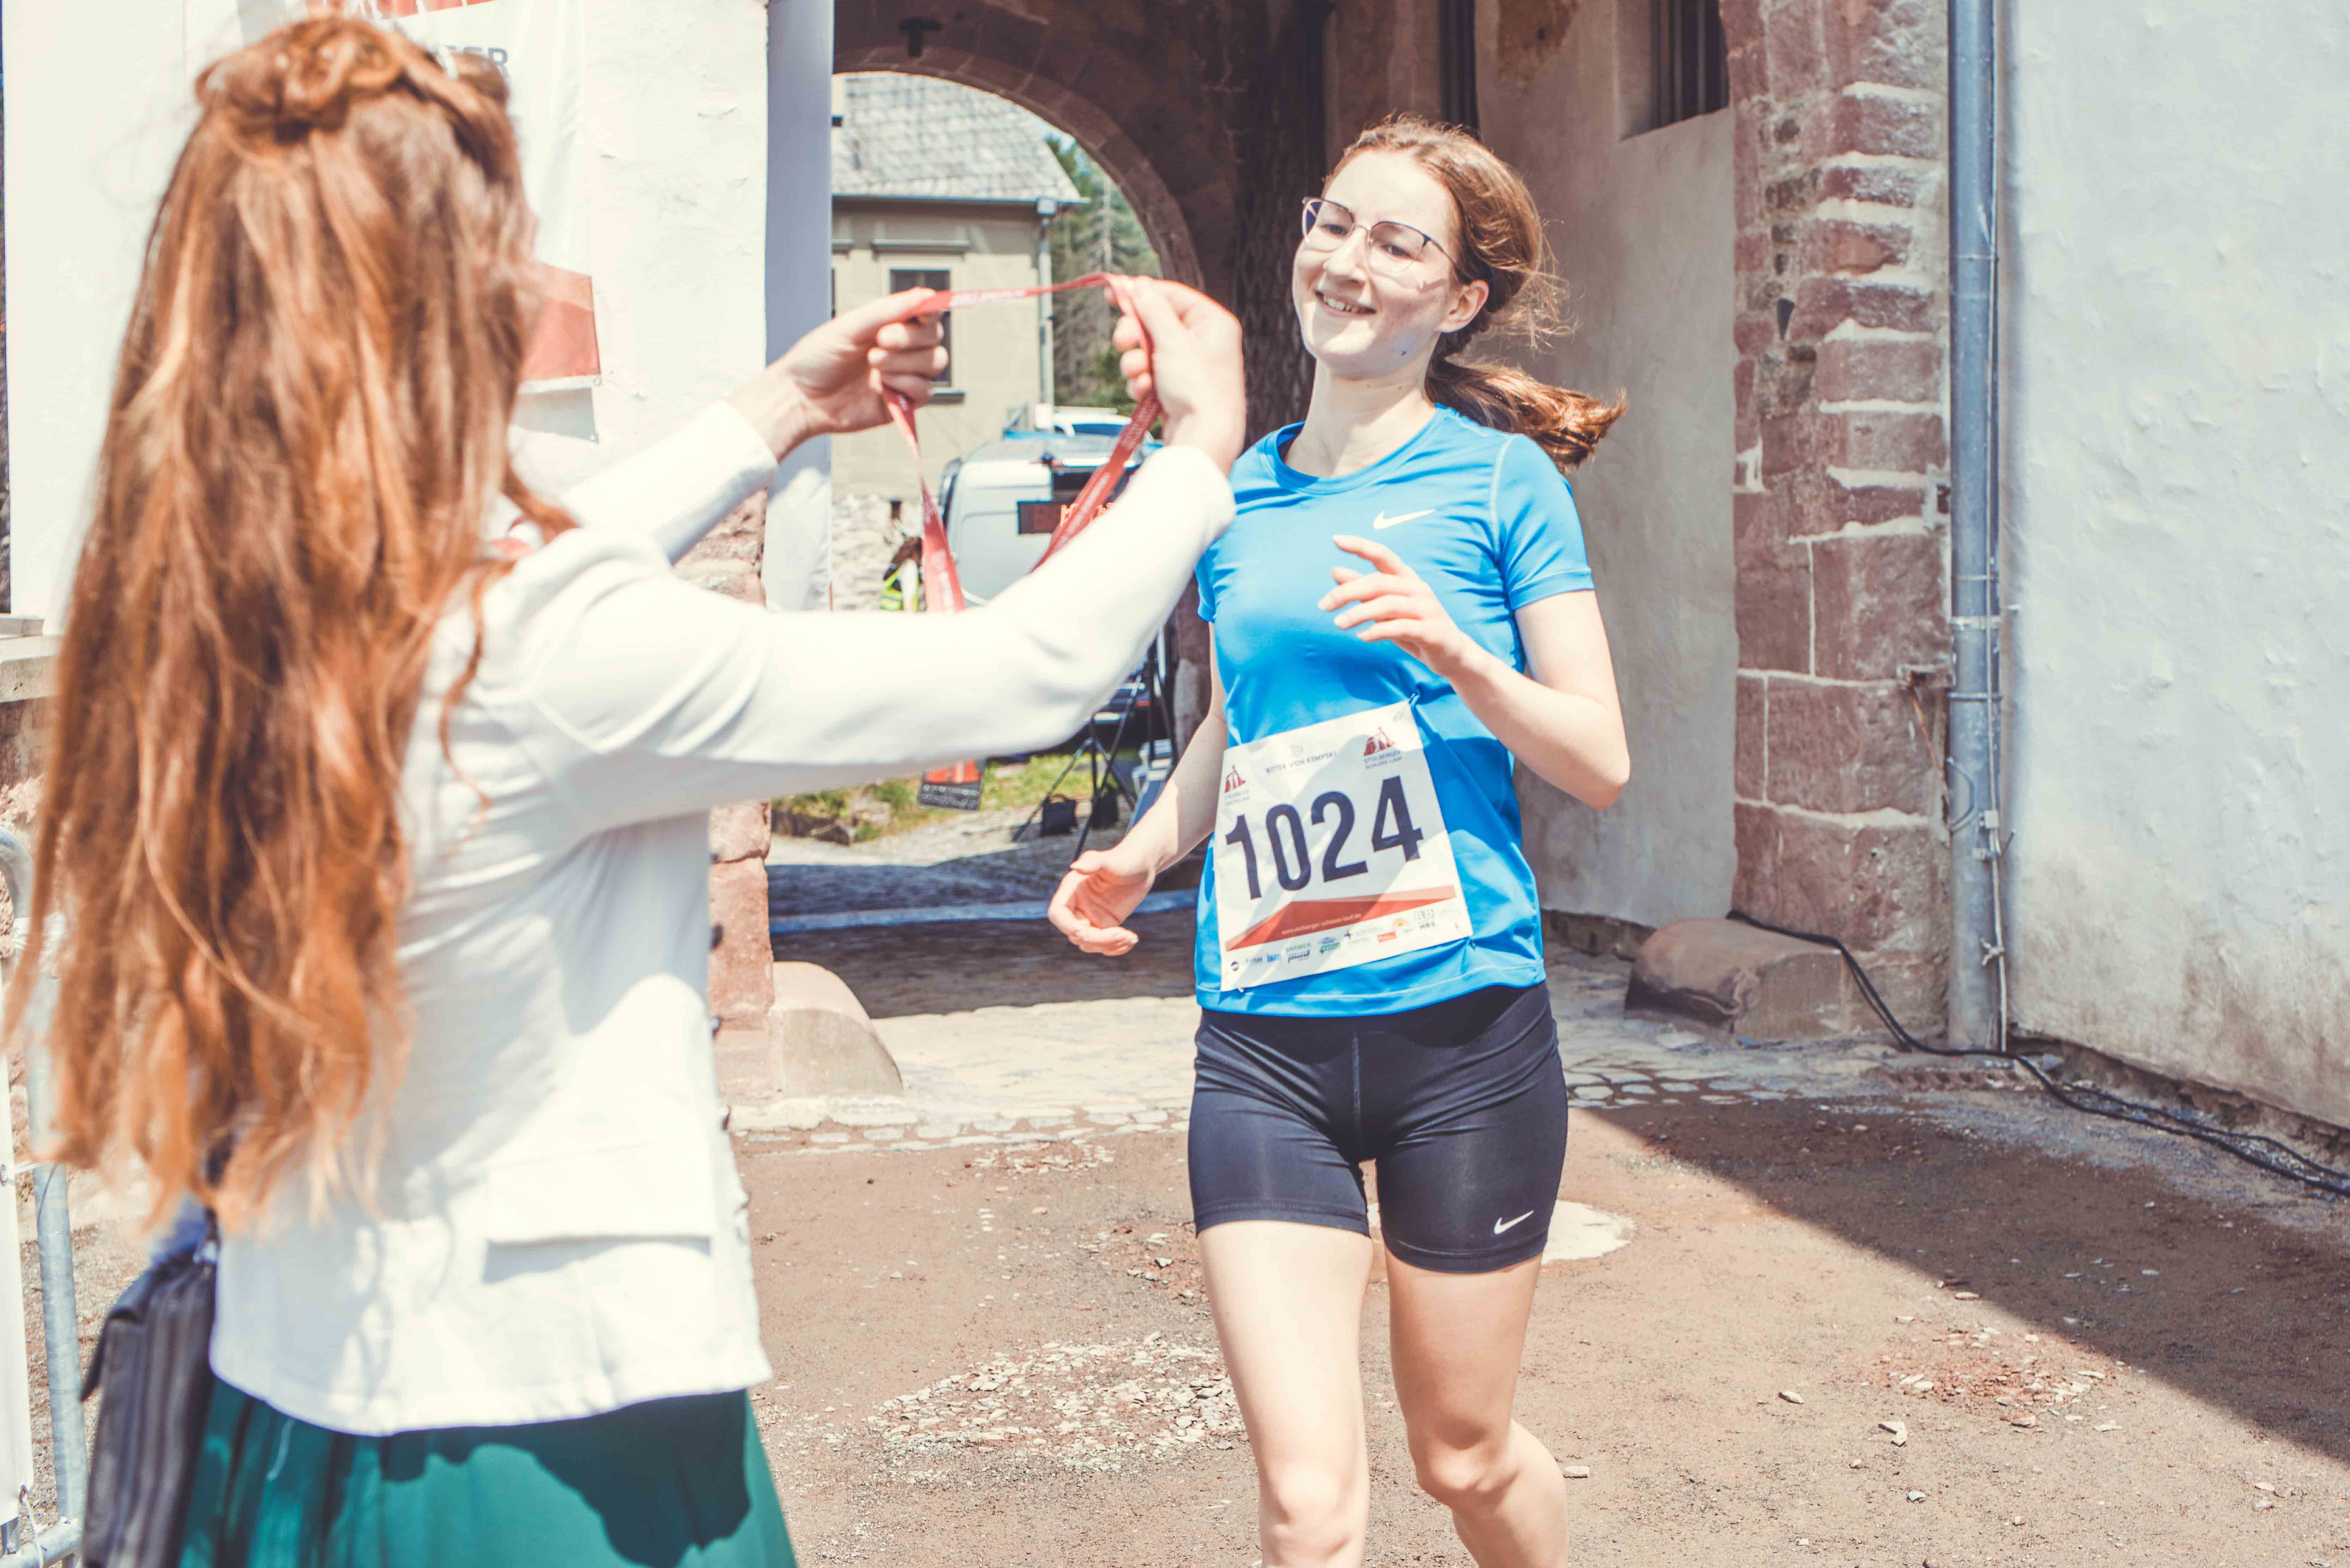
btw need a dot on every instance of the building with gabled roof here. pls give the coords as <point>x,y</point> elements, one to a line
<point>940,185</point>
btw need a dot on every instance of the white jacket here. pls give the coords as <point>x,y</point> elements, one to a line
<point>557,1228</point>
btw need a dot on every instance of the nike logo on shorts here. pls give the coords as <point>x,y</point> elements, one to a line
<point>1502,1225</point>
<point>1384,521</point>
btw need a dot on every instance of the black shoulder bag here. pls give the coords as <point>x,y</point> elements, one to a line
<point>154,1363</point>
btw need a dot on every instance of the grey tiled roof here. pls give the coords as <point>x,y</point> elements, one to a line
<point>903,135</point>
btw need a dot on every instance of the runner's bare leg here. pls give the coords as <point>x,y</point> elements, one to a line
<point>1456,1339</point>
<point>1288,1300</point>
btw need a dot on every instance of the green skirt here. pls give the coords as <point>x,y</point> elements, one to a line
<point>670,1483</point>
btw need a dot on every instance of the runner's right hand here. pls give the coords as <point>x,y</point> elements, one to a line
<point>1094,900</point>
<point>1185,346</point>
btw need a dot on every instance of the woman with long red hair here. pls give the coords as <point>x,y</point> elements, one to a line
<point>378,848</point>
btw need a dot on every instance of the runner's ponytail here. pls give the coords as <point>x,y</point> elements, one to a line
<point>1566,425</point>
<point>1501,246</point>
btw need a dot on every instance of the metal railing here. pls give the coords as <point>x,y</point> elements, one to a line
<point>53,1220</point>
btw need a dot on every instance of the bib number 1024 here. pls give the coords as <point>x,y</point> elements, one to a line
<point>1286,841</point>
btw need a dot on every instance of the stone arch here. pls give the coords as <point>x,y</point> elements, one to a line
<point>1208,113</point>
<point>1165,217</point>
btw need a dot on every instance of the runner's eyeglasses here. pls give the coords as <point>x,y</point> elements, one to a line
<point>1393,248</point>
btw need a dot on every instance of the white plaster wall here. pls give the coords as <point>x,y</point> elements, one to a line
<point>2177,412</point>
<point>1643,233</point>
<point>98,105</point>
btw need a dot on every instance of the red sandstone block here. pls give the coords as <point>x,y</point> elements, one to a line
<point>1882,603</point>
<point>1874,123</point>
<point>1755,536</point>
<point>741,958</point>
<point>1749,76</point>
<point>1761,289</point>
<point>1741,23</point>
<point>1875,887</point>
<point>1783,379</point>
<point>1793,195</point>
<point>1754,712</point>
<point>1754,331</point>
<point>1789,443</point>
<point>1841,245</point>
<point>1796,55</point>
<point>1847,749</point>
<point>1916,986</point>
<point>1749,120</point>
<point>1754,834</point>
<point>1741,392</point>
<point>1839,504</point>
<point>1762,522</point>
<point>1887,184</point>
<point>1889,443</point>
<point>1823,303</point>
<point>1852,369</point>
<point>1901,43</point>
<point>1774,615</point>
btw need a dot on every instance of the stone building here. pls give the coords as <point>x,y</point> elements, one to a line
<point>936,185</point>
<point>1749,200</point>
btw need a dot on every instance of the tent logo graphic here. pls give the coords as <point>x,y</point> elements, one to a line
<point>1233,781</point>
<point>1377,742</point>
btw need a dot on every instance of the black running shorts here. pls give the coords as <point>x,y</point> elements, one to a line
<point>1464,1106</point>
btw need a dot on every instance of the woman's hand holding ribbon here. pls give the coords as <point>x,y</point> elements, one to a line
<point>832,381</point>
<point>1183,346</point>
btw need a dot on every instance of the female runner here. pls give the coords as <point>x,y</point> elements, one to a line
<point>381,852</point>
<point>1370,961</point>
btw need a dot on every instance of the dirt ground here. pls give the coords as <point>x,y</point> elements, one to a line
<point>2099,1348</point>
<point>2094,1346</point>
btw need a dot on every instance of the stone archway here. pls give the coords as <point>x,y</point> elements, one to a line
<point>1208,113</point>
<point>1164,217</point>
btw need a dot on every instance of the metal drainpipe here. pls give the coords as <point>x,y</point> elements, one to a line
<point>60,1317</point>
<point>1978,949</point>
<point>1047,207</point>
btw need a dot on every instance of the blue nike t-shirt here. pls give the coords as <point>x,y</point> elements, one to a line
<point>1490,524</point>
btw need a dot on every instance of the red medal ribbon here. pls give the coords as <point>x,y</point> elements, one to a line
<point>941,584</point>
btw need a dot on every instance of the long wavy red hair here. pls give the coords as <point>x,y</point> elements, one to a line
<point>309,424</point>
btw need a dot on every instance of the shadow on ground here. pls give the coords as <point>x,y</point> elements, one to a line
<point>2230,1285</point>
<point>995,963</point>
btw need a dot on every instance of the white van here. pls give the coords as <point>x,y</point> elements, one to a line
<point>1003,500</point>
<point>1065,419</point>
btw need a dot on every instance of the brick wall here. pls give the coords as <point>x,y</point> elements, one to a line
<point>741,973</point>
<point>1840,534</point>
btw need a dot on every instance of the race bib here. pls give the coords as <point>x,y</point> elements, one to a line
<point>1331,851</point>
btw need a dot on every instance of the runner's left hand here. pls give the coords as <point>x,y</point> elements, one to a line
<point>1393,604</point>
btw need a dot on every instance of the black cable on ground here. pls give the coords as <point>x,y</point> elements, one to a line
<point>2252,1148</point>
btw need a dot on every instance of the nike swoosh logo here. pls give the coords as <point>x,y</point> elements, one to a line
<point>1384,521</point>
<point>1502,1225</point>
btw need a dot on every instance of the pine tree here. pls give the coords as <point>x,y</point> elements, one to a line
<point>1103,236</point>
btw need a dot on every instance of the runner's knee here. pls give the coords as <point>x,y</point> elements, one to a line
<point>1311,1516</point>
<point>1465,1479</point>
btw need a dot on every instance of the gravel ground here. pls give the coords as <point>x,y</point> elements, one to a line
<point>972,859</point>
<point>1985,1372</point>
<point>2014,1335</point>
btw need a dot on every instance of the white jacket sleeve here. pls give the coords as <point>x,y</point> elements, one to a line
<point>681,487</point>
<point>647,698</point>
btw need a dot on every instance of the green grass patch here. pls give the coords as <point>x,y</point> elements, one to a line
<point>868,812</point>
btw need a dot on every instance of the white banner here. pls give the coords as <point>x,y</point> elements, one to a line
<point>540,47</point>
